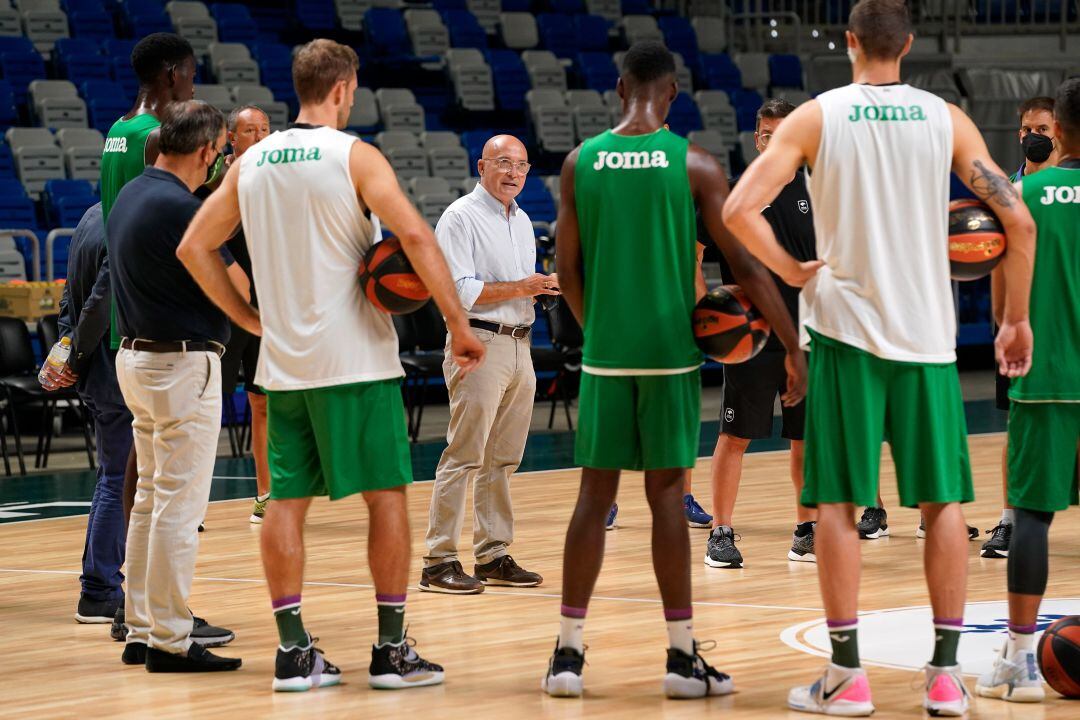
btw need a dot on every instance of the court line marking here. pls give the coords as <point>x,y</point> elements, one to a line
<point>487,591</point>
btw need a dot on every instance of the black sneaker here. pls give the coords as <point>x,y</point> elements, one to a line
<point>874,523</point>
<point>96,612</point>
<point>303,668</point>
<point>394,667</point>
<point>689,676</point>
<point>920,532</point>
<point>208,635</point>
<point>197,659</point>
<point>563,677</point>
<point>802,548</point>
<point>721,551</point>
<point>134,654</point>
<point>118,631</point>
<point>998,544</point>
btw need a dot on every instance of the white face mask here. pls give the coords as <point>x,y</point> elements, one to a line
<point>851,55</point>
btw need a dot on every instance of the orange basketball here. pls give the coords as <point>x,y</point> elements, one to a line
<point>976,239</point>
<point>1059,656</point>
<point>389,281</point>
<point>727,326</point>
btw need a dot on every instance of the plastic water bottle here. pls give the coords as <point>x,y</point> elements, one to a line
<point>58,358</point>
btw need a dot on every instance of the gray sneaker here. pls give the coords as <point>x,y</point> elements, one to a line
<point>722,552</point>
<point>873,524</point>
<point>1014,678</point>
<point>802,548</point>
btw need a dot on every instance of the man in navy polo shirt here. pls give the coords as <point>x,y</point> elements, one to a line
<point>170,375</point>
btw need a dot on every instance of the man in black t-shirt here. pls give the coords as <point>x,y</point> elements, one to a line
<point>751,388</point>
<point>247,125</point>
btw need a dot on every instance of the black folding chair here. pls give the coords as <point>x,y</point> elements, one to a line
<point>563,358</point>
<point>421,339</point>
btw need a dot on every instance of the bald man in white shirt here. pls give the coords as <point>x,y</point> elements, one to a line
<point>489,244</point>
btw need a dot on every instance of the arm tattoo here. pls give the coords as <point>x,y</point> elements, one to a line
<point>991,186</point>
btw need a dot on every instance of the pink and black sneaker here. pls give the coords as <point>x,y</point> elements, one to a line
<point>839,691</point>
<point>946,695</point>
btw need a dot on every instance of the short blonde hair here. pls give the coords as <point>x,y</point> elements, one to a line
<point>318,66</point>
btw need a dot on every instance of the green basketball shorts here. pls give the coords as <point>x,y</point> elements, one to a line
<point>638,422</point>
<point>337,440</point>
<point>1042,461</point>
<point>855,400</point>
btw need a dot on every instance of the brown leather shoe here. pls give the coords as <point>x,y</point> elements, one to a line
<point>449,577</point>
<point>504,571</point>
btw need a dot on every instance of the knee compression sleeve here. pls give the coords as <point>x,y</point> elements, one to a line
<point>1029,552</point>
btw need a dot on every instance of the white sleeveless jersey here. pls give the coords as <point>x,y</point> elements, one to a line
<point>880,193</point>
<point>306,235</point>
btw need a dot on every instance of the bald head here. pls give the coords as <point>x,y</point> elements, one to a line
<point>503,167</point>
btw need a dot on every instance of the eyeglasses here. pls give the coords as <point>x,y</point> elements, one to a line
<point>506,165</point>
<point>764,139</point>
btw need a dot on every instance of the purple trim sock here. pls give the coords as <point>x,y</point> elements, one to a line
<point>572,612</point>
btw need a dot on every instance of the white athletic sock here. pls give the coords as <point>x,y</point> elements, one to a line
<point>1008,516</point>
<point>262,498</point>
<point>1020,642</point>
<point>681,635</point>
<point>571,630</point>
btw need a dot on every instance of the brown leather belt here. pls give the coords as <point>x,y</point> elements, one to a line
<point>515,331</point>
<point>177,346</point>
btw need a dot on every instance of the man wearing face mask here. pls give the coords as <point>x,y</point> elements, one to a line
<point>1040,152</point>
<point>169,372</point>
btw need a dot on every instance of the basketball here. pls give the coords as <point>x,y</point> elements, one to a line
<point>1059,656</point>
<point>388,280</point>
<point>976,239</point>
<point>727,326</point>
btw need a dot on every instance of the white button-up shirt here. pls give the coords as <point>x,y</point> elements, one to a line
<point>482,244</point>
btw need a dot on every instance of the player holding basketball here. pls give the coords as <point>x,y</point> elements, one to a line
<point>879,316</point>
<point>626,256</point>
<point>1044,417</point>
<point>329,359</point>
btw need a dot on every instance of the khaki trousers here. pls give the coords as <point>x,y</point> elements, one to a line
<point>175,399</point>
<point>490,414</point>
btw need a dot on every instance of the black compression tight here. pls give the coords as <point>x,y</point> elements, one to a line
<point>1029,552</point>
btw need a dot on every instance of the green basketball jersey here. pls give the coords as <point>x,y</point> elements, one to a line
<point>638,243</point>
<point>1053,196</point>
<point>124,157</point>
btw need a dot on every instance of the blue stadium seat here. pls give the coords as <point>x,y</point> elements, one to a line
<point>80,68</point>
<point>474,141</point>
<point>119,47</point>
<point>275,68</point>
<point>66,47</point>
<point>123,73</point>
<point>680,37</point>
<point>90,21</point>
<point>684,117</point>
<point>8,114</point>
<point>567,7</point>
<point>386,34</point>
<point>317,14</point>
<point>20,68</point>
<point>785,71</point>
<point>557,34</point>
<point>597,71</point>
<point>719,72</point>
<point>446,5</point>
<point>98,89</point>
<point>143,17</point>
<point>536,200</point>
<point>464,29</point>
<point>234,22</point>
<point>15,43</point>
<point>510,77</point>
<point>637,7</point>
<point>517,5</point>
<point>591,33</point>
<point>746,104</point>
<point>104,111</point>
<point>7,163</point>
<point>16,208</point>
<point>67,200</point>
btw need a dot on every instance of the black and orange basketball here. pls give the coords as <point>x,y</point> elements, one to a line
<point>727,326</point>
<point>388,280</point>
<point>976,239</point>
<point>1059,656</point>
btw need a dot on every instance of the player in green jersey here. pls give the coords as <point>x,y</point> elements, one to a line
<point>1044,420</point>
<point>626,242</point>
<point>165,66</point>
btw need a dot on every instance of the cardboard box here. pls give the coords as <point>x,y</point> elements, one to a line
<point>30,300</point>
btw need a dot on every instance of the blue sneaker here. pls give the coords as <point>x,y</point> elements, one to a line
<point>696,517</point>
<point>610,524</point>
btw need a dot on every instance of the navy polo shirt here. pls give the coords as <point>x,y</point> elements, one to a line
<point>156,298</point>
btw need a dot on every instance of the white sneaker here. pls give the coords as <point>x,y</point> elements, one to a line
<point>1015,678</point>
<point>563,678</point>
<point>946,695</point>
<point>839,691</point>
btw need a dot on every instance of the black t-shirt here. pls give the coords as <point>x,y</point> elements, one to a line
<point>237,246</point>
<point>792,219</point>
<point>156,298</point>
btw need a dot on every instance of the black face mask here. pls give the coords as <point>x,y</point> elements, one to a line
<point>1037,148</point>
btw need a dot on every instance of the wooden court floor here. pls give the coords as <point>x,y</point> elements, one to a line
<point>494,646</point>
